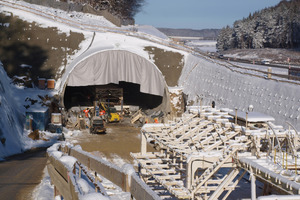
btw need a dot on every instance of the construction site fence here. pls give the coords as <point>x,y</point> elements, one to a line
<point>64,180</point>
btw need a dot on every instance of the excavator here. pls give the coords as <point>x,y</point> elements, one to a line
<point>111,113</point>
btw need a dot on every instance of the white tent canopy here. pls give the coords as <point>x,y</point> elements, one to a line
<point>112,66</point>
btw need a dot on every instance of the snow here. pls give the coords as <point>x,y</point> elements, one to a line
<point>25,66</point>
<point>266,166</point>
<point>94,196</point>
<point>147,29</point>
<point>71,134</point>
<point>69,161</point>
<point>175,90</point>
<point>246,57</point>
<point>150,125</point>
<point>44,191</point>
<point>176,97</point>
<point>203,45</point>
<point>12,100</point>
<point>128,169</point>
<point>253,116</point>
<point>85,187</point>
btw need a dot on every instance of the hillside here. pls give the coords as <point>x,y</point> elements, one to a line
<point>42,47</point>
<point>274,27</point>
<point>119,12</point>
<point>205,33</point>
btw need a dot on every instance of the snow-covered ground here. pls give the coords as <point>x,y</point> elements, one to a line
<point>203,45</point>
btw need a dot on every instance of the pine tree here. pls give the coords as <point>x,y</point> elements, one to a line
<point>274,27</point>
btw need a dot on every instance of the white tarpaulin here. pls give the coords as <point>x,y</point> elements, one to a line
<point>112,66</point>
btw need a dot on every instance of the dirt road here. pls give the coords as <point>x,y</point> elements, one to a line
<point>20,174</point>
<point>118,142</point>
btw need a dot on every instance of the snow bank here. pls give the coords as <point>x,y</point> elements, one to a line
<point>11,123</point>
<point>44,191</point>
<point>147,29</point>
<point>94,196</point>
<point>13,137</point>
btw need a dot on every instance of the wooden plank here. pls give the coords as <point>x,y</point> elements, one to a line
<point>166,177</point>
<point>59,167</point>
<point>73,189</point>
<point>104,168</point>
<point>61,184</point>
<point>82,158</point>
<point>110,172</point>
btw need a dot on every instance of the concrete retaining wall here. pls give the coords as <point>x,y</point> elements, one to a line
<point>205,79</point>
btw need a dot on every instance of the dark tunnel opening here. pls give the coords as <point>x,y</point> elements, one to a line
<point>86,95</point>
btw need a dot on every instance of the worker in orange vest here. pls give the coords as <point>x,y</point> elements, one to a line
<point>86,111</point>
<point>102,112</point>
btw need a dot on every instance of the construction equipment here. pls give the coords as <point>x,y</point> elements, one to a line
<point>97,125</point>
<point>111,114</point>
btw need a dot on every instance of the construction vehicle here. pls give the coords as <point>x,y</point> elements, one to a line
<point>97,125</point>
<point>111,113</point>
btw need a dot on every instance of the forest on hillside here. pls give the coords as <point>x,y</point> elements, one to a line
<point>274,27</point>
<point>125,9</point>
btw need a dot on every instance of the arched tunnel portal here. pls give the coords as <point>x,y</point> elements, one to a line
<point>99,75</point>
<point>86,95</point>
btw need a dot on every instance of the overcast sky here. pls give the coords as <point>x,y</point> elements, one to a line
<point>198,14</point>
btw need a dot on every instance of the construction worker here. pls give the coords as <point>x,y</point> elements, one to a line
<point>86,111</point>
<point>102,112</point>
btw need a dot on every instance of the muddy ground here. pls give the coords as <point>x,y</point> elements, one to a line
<point>20,174</point>
<point>120,139</point>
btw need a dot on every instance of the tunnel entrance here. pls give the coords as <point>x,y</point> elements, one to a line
<point>114,75</point>
<point>110,93</point>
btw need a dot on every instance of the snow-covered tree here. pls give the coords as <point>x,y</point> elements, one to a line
<point>125,9</point>
<point>274,27</point>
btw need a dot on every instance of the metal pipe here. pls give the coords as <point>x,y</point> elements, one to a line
<point>280,197</point>
<point>253,186</point>
<point>275,156</point>
<point>296,132</point>
<point>286,155</point>
<point>275,137</point>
